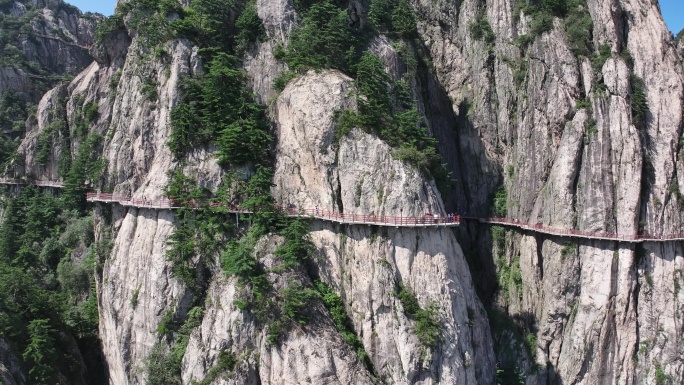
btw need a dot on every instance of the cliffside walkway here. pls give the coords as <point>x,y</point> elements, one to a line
<point>377,220</point>
<point>34,182</point>
<point>635,238</point>
<point>330,216</point>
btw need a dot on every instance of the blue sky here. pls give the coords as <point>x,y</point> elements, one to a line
<point>105,7</point>
<point>673,13</point>
<point>673,10</point>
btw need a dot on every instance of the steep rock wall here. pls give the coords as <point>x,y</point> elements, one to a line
<point>595,307</point>
<point>309,354</point>
<point>564,165</point>
<point>56,42</point>
<point>359,175</point>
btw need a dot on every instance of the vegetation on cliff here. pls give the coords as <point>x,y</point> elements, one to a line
<point>48,303</point>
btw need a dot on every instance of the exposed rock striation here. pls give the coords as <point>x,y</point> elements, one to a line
<point>11,372</point>
<point>310,354</point>
<point>565,163</point>
<point>359,175</point>
<point>566,137</point>
<point>54,45</point>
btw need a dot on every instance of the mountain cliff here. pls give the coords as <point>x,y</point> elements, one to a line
<point>562,114</point>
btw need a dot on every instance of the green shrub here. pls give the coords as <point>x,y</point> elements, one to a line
<point>679,36</point>
<point>579,28</point>
<point>297,246</point>
<point>323,40</point>
<point>404,20</point>
<point>283,79</point>
<point>541,22</point>
<point>500,202</point>
<point>499,238</point>
<point>427,326</point>
<point>380,14</point>
<point>569,248</point>
<point>393,17</point>
<point>134,298</point>
<point>219,108</point>
<point>295,302</point>
<point>408,300</point>
<point>40,352</point>
<point>480,29</point>
<point>341,319</point>
<point>531,344</point>
<point>149,90</point>
<point>109,26</point>
<point>225,362</point>
<point>584,103</point>
<point>599,59</point>
<point>638,102</point>
<point>250,28</point>
<point>516,276</point>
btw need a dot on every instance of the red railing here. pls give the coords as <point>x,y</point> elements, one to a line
<point>427,220</point>
<point>421,221</point>
<point>581,234</point>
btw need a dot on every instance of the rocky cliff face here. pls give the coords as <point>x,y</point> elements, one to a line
<point>53,42</point>
<point>567,163</point>
<point>584,137</point>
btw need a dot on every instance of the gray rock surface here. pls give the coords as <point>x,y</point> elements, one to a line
<point>11,372</point>
<point>556,132</point>
<point>359,175</point>
<point>308,354</point>
<point>56,44</point>
<point>592,169</point>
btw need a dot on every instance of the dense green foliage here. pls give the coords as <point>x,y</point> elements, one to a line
<point>297,246</point>
<point>225,363</point>
<point>198,232</point>
<point>480,29</point>
<point>47,299</point>
<point>579,27</point>
<point>86,167</point>
<point>638,102</point>
<point>577,22</point>
<point>427,327</point>
<point>164,367</point>
<point>324,40</point>
<point>218,108</point>
<point>599,59</point>
<point>226,25</point>
<point>250,28</point>
<point>386,110</point>
<point>500,202</point>
<point>679,35</point>
<point>13,113</point>
<point>393,17</point>
<point>291,305</point>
